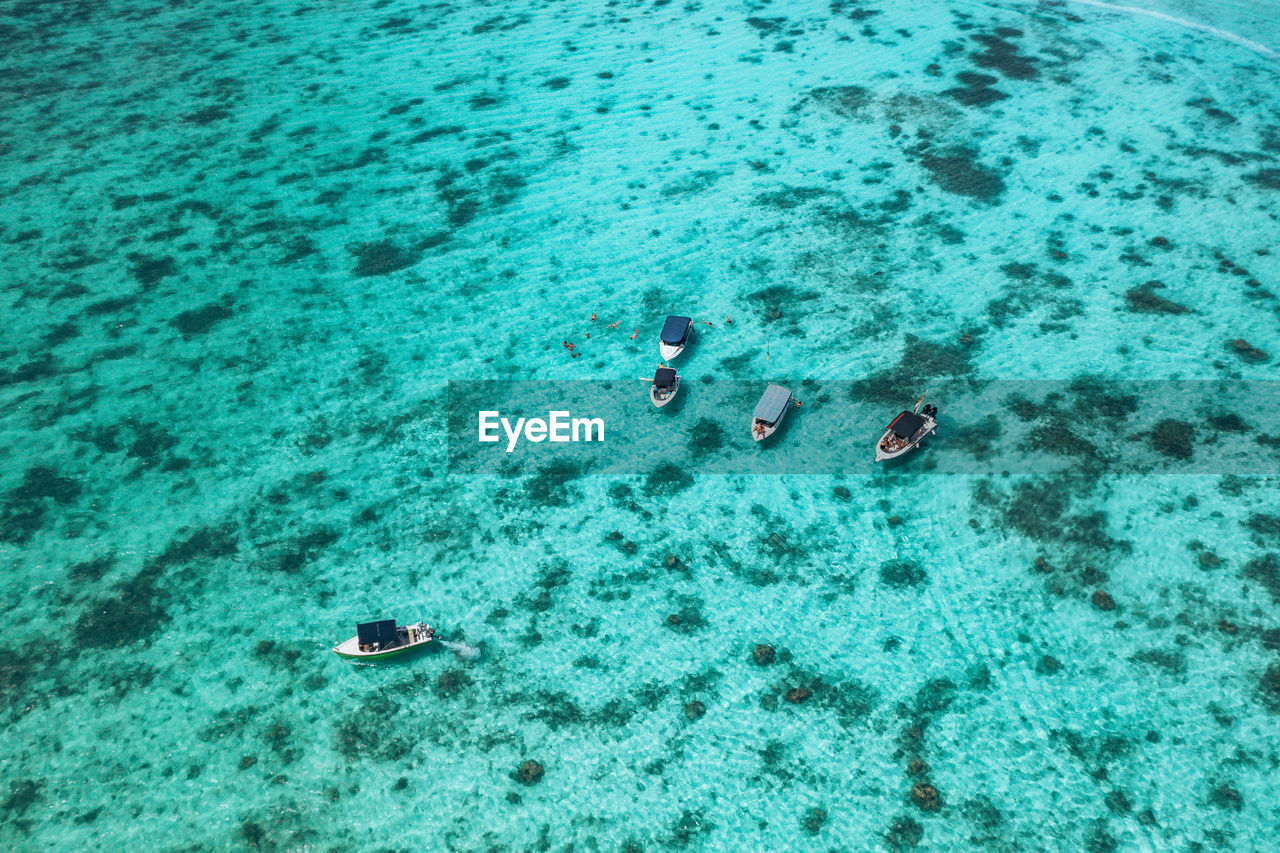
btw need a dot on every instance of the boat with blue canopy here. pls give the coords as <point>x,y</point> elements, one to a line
<point>674,336</point>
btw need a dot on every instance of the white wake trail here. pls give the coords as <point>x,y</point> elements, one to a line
<point>1227,35</point>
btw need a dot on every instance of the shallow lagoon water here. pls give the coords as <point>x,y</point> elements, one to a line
<point>248,246</point>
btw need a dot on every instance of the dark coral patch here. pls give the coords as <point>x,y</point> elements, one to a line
<point>22,514</point>
<point>902,573</point>
<point>1268,179</point>
<point>380,257</point>
<point>208,543</point>
<point>813,820</point>
<point>1247,351</point>
<point>905,833</point>
<point>38,368</point>
<point>303,550</point>
<point>89,571</point>
<point>112,305</point>
<point>667,480</point>
<point>529,772</point>
<point>1174,438</point>
<point>958,171</point>
<point>23,793</point>
<point>976,90</point>
<point>1269,688</point>
<point>150,271</point>
<point>134,613</point>
<point>44,482</point>
<point>207,116</point>
<point>845,101</point>
<point>922,361</point>
<point>854,10</point>
<point>551,486</point>
<point>1228,422</point>
<point>1265,570</point>
<point>1003,56</point>
<point>1143,299</point>
<point>706,436</point>
<point>366,733</point>
<point>197,321</point>
<point>61,333</point>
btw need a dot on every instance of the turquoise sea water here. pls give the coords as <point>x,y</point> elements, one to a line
<point>248,245</point>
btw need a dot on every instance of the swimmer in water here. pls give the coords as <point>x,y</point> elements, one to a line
<point>593,316</point>
<point>727,321</point>
<point>633,334</point>
<point>614,325</point>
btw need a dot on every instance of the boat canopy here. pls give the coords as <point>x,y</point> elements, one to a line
<point>665,377</point>
<point>772,404</point>
<point>675,330</point>
<point>382,631</point>
<point>906,424</point>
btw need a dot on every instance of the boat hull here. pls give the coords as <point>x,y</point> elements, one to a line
<point>669,351</point>
<point>930,428</point>
<point>350,649</point>
<point>662,400</point>
<point>761,430</point>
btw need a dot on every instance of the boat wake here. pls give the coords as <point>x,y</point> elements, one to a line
<point>461,649</point>
<point>1226,35</point>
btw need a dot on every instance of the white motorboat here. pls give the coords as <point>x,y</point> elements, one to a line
<point>384,639</point>
<point>666,382</point>
<point>770,411</point>
<point>907,430</point>
<point>674,336</point>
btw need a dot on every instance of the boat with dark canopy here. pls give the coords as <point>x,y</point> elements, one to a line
<point>384,639</point>
<point>675,334</point>
<point>666,382</point>
<point>907,430</point>
<point>770,411</point>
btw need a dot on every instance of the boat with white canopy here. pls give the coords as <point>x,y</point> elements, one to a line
<point>770,411</point>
